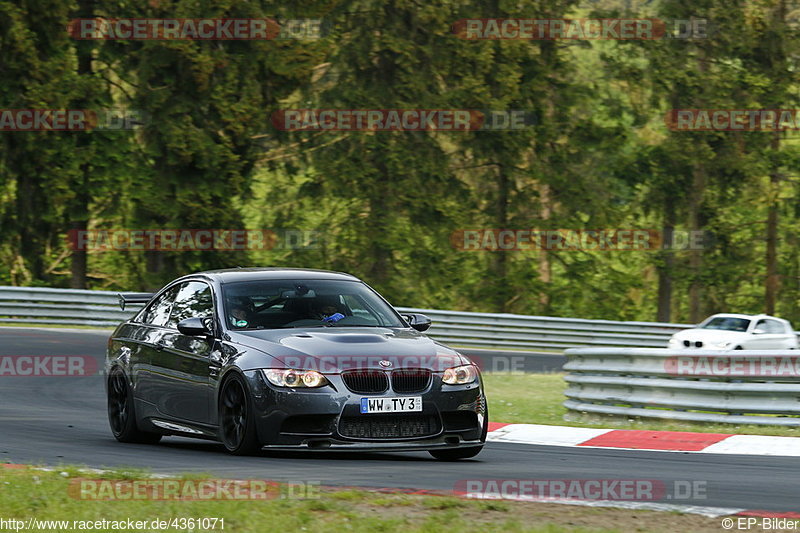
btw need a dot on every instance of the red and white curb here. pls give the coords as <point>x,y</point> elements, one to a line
<point>627,439</point>
<point>665,441</point>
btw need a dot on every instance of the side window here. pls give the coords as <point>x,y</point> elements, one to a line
<point>773,326</point>
<point>158,312</point>
<point>194,300</point>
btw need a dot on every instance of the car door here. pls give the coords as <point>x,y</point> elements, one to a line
<point>778,338</point>
<point>181,362</point>
<point>149,331</point>
<point>765,335</point>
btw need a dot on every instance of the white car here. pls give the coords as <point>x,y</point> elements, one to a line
<point>737,332</point>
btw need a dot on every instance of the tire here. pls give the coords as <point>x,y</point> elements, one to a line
<point>122,414</point>
<point>237,428</point>
<point>738,348</point>
<point>463,453</point>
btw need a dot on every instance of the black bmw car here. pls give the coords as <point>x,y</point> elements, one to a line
<point>289,359</point>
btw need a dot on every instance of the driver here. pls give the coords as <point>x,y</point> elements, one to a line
<point>238,314</point>
<point>325,309</point>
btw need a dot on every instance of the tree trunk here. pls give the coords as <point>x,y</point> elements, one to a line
<point>696,256</point>
<point>771,282</point>
<point>666,266</point>
<point>695,216</point>
<point>545,272</point>
<point>79,212</point>
<point>32,231</point>
<point>499,259</point>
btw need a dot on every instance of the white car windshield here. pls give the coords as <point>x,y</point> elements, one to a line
<point>727,323</point>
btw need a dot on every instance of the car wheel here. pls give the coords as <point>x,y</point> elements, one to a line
<point>237,427</point>
<point>121,413</point>
<point>463,453</point>
<point>738,348</point>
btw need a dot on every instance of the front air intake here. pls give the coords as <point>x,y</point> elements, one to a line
<point>366,381</point>
<point>411,380</point>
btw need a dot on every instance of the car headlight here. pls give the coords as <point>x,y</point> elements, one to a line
<point>295,378</point>
<point>459,375</point>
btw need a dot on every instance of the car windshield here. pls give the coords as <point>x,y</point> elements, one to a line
<point>727,323</point>
<point>272,304</point>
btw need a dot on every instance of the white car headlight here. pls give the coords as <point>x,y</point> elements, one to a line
<point>295,378</point>
<point>460,375</point>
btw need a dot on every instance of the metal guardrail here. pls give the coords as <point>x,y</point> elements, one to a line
<point>35,305</point>
<point>472,330</point>
<point>741,387</point>
<point>501,331</point>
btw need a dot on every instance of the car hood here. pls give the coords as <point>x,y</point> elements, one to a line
<point>710,335</point>
<point>338,349</point>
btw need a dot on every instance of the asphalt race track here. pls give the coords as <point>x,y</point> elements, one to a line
<point>54,420</point>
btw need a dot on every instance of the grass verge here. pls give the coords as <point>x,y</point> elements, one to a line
<point>537,399</point>
<point>44,495</point>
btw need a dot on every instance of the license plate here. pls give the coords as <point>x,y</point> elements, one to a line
<point>408,404</point>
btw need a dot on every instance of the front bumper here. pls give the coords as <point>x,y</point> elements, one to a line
<point>329,418</point>
<point>699,345</point>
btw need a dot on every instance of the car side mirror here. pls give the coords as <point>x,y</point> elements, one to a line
<point>417,321</point>
<point>759,331</point>
<point>194,327</point>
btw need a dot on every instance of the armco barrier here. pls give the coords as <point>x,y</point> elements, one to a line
<point>36,305</point>
<point>472,330</point>
<point>741,387</point>
<point>503,331</point>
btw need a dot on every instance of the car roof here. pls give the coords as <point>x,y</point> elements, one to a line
<point>233,275</point>
<point>748,317</point>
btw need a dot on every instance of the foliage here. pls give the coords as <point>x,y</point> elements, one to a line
<point>385,205</point>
